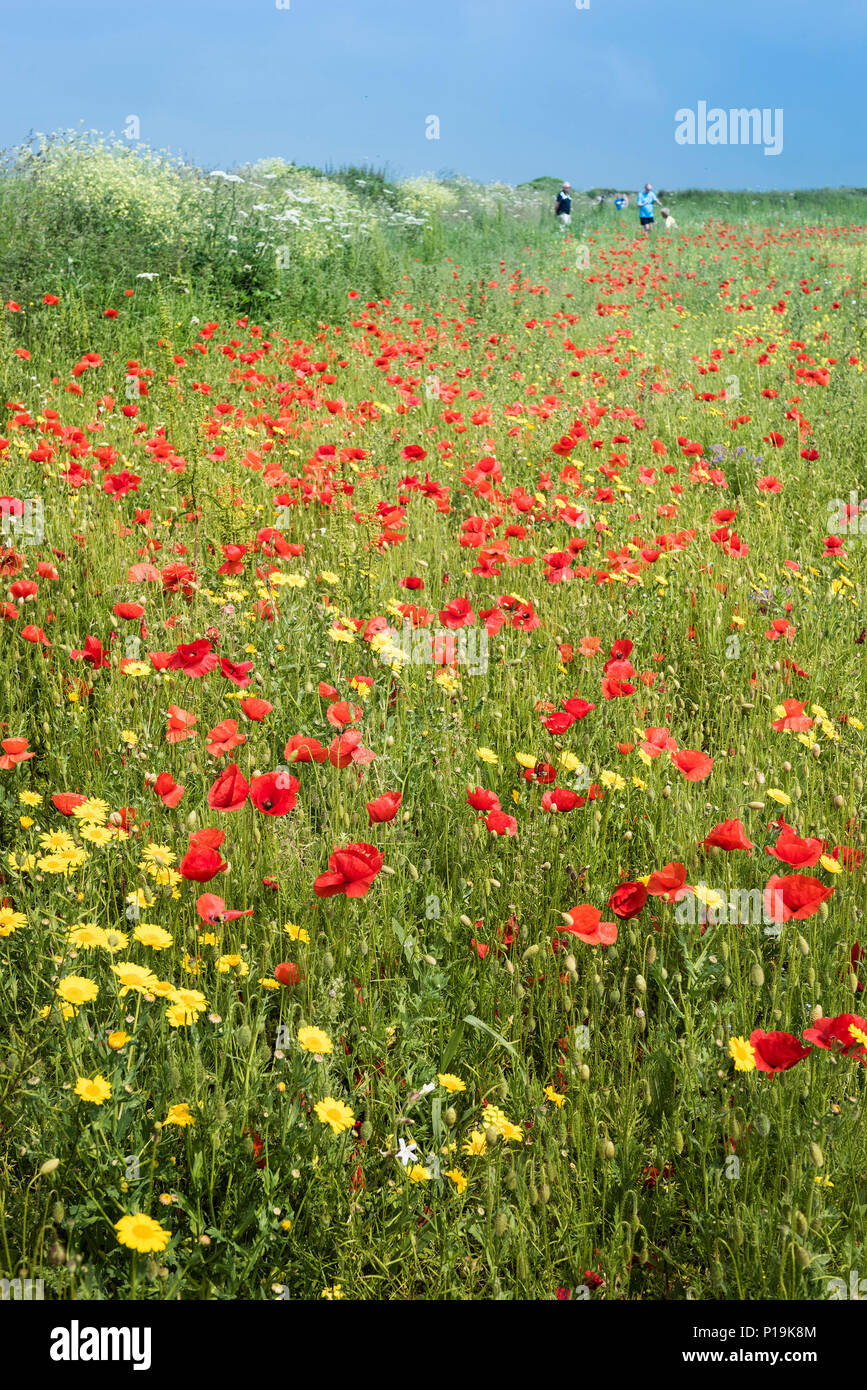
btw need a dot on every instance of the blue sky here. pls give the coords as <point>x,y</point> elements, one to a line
<point>520,87</point>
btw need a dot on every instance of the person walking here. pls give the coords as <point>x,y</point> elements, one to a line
<point>645,201</point>
<point>563,206</point>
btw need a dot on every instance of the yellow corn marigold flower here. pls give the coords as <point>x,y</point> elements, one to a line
<point>150,934</point>
<point>180,1115</point>
<point>132,976</point>
<point>335,1292</point>
<point>417,1173</point>
<point>10,920</point>
<point>555,1097</point>
<point>743,1054</point>
<point>334,1113</point>
<point>297,933</point>
<point>93,1088</point>
<point>142,1233</point>
<point>476,1144</point>
<point>76,989</point>
<point>93,809</point>
<point>457,1177</point>
<point>451,1083</point>
<point>118,1040</point>
<point>314,1040</point>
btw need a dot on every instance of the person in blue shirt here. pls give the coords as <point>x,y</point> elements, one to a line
<point>645,201</point>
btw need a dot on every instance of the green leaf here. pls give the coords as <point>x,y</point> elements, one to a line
<point>453,1044</point>
<point>477,1023</point>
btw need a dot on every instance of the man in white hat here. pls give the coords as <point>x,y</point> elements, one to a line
<point>563,207</point>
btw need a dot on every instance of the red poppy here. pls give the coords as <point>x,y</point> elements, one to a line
<point>230,790</point>
<point>304,750</point>
<point>627,900</point>
<point>128,610</point>
<point>384,808</point>
<point>274,794</point>
<point>560,799</point>
<point>483,800</point>
<point>584,922</point>
<point>15,752</point>
<point>201,863</point>
<point>168,790</point>
<point>800,854</point>
<point>499,823</point>
<point>694,766</point>
<point>728,835</point>
<point>287,973</point>
<point>236,671</point>
<point>193,658</point>
<point>65,802</point>
<point>352,871</point>
<point>213,909</point>
<point>256,709</point>
<point>836,1034</point>
<point>668,883</point>
<point>224,737</point>
<point>795,897</point>
<point>777,1051</point>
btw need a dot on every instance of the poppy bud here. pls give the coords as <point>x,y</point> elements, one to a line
<point>651,954</point>
<point>366,1131</point>
<point>803,946</point>
<point>584,1072</point>
<point>49,1166</point>
<point>802,1225</point>
<point>756,805</point>
<point>817,1156</point>
<point>544,1194</point>
<point>641,984</point>
<point>823,911</point>
<point>803,1257</point>
<point>413,872</point>
<point>328,961</point>
<point>58,1211</point>
<point>56,1253</point>
<point>501,1224</point>
<point>429,960</point>
<point>607,1149</point>
<point>787,767</point>
<point>244,1037</point>
<point>491,1136</point>
<point>678,1142</point>
<point>464,920</point>
<point>666,793</point>
<point>757,975</point>
<point>450,1117</point>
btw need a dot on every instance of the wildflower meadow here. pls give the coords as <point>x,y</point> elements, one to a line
<point>432,775</point>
